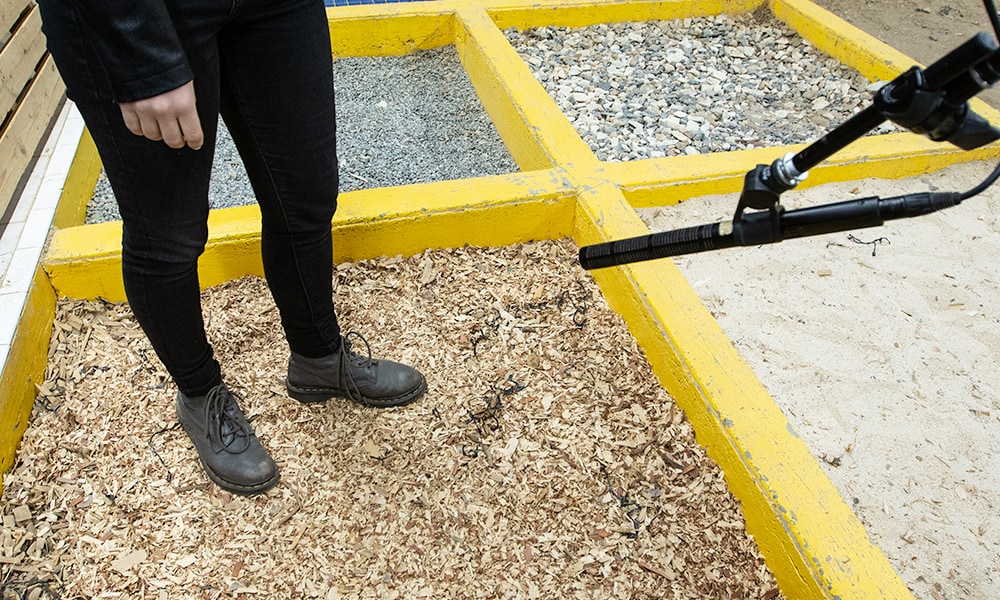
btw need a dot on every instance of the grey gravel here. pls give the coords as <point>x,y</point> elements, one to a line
<point>228,187</point>
<point>632,91</point>
<point>691,86</point>
<point>400,120</point>
<point>415,118</point>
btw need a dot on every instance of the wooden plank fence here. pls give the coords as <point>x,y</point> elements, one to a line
<point>30,94</point>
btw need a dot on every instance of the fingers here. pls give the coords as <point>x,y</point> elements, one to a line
<point>171,117</point>
<point>190,129</point>
<point>131,119</point>
<point>168,130</point>
<point>176,132</point>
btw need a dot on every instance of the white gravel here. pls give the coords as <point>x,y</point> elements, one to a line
<point>690,86</point>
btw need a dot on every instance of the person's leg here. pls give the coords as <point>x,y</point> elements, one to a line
<point>162,194</point>
<point>277,100</point>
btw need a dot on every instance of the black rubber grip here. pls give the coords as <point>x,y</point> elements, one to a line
<point>655,245</point>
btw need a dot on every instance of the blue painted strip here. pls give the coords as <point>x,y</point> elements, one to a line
<point>361,2</point>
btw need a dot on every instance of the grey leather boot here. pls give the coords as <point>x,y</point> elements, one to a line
<point>346,374</point>
<point>228,447</point>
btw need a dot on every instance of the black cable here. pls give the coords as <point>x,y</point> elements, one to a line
<point>991,12</point>
<point>982,186</point>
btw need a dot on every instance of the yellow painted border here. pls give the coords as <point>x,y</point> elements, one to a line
<point>390,29</point>
<point>871,57</point>
<point>79,186</point>
<point>667,181</point>
<point>25,366</point>
<point>811,539</point>
<point>527,118</point>
<point>524,14</point>
<point>85,262</point>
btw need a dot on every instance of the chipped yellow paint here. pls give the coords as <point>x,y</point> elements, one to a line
<point>390,29</point>
<point>79,186</point>
<point>812,541</point>
<point>25,366</point>
<point>667,181</point>
<point>527,118</point>
<point>85,262</point>
<point>523,14</point>
<point>490,211</point>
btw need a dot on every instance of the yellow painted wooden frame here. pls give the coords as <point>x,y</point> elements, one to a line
<point>811,539</point>
<point>25,366</point>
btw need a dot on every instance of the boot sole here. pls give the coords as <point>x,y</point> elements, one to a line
<point>240,490</point>
<point>229,486</point>
<point>308,395</point>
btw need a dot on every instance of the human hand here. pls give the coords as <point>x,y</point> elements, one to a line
<point>171,117</point>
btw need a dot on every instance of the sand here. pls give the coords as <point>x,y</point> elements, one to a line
<point>881,347</point>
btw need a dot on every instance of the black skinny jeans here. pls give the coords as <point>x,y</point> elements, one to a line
<point>266,66</point>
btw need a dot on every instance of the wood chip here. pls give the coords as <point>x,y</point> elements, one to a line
<point>123,563</point>
<point>21,513</point>
<point>544,459</point>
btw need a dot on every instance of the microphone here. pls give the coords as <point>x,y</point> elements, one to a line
<point>713,236</point>
<point>766,227</point>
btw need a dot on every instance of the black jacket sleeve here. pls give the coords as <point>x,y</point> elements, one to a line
<point>138,46</point>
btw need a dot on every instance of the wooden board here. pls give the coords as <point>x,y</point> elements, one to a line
<point>25,367</point>
<point>10,11</point>
<point>25,129</point>
<point>18,59</point>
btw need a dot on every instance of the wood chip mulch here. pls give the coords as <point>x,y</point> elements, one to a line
<point>545,461</point>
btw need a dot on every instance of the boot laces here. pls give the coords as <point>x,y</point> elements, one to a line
<point>227,427</point>
<point>354,357</point>
<point>349,357</point>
